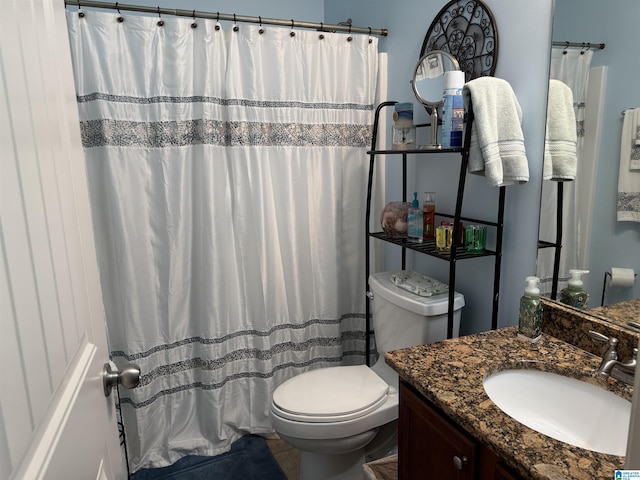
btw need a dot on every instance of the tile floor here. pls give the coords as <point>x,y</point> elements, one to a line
<point>287,457</point>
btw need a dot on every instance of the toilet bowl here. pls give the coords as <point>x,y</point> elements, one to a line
<point>340,417</point>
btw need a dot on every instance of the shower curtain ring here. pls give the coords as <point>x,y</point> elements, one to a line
<point>194,24</point>
<point>235,27</point>
<point>349,38</point>
<point>370,39</point>
<point>261,31</point>
<point>120,18</point>
<point>160,22</point>
<point>293,34</point>
<point>80,12</point>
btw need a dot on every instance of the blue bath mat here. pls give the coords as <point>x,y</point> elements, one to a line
<point>248,459</point>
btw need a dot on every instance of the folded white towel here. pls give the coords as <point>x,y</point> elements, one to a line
<point>497,143</point>
<point>628,174</point>
<point>560,153</point>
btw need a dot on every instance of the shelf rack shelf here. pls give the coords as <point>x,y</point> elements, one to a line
<point>428,247</point>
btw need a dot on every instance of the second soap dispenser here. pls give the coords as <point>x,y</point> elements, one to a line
<point>574,294</point>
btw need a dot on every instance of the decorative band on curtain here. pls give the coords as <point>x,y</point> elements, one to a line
<point>227,173</point>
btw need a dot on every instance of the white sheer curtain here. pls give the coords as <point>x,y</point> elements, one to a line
<point>227,172</point>
<point>571,66</point>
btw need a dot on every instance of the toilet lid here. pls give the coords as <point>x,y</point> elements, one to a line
<point>331,394</point>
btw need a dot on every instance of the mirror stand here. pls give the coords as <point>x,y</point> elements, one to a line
<point>435,145</point>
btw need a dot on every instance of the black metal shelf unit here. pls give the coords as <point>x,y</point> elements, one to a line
<point>428,247</point>
<point>557,244</point>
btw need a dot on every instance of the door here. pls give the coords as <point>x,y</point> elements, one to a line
<point>55,421</point>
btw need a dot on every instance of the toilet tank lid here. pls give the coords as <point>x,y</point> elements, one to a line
<point>381,284</point>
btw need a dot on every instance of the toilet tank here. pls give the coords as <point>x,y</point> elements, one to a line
<point>403,319</point>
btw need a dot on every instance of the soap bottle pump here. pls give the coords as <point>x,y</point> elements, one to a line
<point>414,220</point>
<point>574,293</point>
<point>530,322</point>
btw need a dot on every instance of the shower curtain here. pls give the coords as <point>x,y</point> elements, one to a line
<point>572,68</point>
<point>227,171</point>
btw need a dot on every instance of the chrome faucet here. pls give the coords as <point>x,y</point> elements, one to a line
<point>610,365</point>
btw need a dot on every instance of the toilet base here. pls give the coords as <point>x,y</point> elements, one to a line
<point>342,459</point>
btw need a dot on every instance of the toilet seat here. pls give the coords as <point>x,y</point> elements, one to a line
<point>332,394</point>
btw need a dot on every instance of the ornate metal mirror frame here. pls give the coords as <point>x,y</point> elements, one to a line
<point>465,29</point>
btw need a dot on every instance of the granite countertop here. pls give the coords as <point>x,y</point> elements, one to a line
<point>450,374</point>
<point>621,313</point>
<point>573,325</point>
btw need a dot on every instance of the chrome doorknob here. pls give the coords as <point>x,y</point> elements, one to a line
<point>128,377</point>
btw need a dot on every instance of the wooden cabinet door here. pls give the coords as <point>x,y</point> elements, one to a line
<point>430,446</point>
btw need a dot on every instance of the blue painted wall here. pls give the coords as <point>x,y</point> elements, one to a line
<point>307,10</point>
<point>524,29</point>
<point>615,23</point>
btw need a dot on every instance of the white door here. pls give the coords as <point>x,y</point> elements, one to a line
<point>55,421</point>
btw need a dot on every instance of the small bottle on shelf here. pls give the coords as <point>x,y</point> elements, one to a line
<point>428,216</point>
<point>414,220</point>
<point>453,110</point>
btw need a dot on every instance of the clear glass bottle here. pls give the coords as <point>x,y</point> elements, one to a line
<point>429,216</point>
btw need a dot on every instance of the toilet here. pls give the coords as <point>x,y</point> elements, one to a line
<point>341,417</point>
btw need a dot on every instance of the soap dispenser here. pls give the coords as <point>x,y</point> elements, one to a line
<point>574,294</point>
<point>530,323</point>
<point>414,220</point>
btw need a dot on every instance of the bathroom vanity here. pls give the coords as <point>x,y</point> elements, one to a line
<point>450,428</point>
<point>428,437</point>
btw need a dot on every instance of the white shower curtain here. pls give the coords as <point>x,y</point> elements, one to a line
<point>571,66</point>
<point>227,172</point>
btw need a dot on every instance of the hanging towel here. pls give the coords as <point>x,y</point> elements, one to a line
<point>497,143</point>
<point>560,152</point>
<point>629,173</point>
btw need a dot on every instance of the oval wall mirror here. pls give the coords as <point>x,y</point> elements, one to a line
<point>465,29</point>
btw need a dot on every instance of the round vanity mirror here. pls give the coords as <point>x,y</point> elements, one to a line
<point>428,85</point>
<point>428,78</point>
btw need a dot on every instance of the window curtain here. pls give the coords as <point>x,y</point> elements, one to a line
<point>227,171</point>
<point>570,66</point>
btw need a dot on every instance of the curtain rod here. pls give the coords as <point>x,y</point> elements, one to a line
<point>228,17</point>
<point>598,46</point>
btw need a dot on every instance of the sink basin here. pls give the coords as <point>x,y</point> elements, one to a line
<point>563,408</point>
